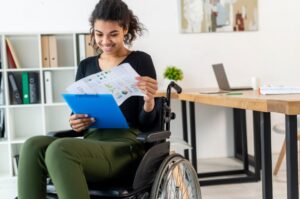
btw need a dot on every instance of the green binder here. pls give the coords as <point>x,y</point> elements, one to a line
<point>25,88</point>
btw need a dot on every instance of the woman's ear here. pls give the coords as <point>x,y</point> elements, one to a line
<point>125,30</point>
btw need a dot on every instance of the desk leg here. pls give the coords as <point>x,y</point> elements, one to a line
<point>193,135</point>
<point>243,132</point>
<point>257,144</point>
<point>266,159</point>
<point>291,156</point>
<point>244,175</point>
<point>184,127</point>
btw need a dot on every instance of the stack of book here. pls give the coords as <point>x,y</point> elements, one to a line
<point>49,51</point>
<point>29,94</point>
<point>273,90</point>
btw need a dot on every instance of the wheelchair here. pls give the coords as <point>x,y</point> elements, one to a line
<point>160,174</point>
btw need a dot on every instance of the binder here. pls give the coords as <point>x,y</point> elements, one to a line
<point>48,87</point>
<point>25,88</point>
<point>45,51</point>
<point>89,50</point>
<point>13,53</point>
<point>15,92</point>
<point>53,51</point>
<point>33,79</point>
<point>102,107</point>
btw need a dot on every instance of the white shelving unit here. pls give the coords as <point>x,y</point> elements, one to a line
<point>23,121</point>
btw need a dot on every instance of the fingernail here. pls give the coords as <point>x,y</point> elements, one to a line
<point>93,119</point>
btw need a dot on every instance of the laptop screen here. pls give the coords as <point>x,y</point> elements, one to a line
<point>221,76</point>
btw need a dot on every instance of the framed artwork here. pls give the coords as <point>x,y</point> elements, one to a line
<point>218,15</point>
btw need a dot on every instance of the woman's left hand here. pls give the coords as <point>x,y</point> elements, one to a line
<point>149,87</point>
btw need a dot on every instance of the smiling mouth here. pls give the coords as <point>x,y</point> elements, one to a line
<point>107,48</point>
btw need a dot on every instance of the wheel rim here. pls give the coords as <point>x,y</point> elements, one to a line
<point>178,180</point>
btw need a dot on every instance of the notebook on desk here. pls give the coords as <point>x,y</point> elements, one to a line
<point>275,90</point>
<point>222,79</point>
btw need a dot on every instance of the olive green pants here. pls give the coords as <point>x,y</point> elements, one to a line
<point>70,162</point>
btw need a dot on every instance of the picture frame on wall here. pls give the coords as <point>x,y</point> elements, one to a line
<point>198,16</point>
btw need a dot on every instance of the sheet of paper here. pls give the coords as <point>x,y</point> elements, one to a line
<point>119,81</point>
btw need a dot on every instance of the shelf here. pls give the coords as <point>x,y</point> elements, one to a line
<point>59,68</point>
<point>57,123</point>
<point>22,127</point>
<point>22,69</point>
<point>3,141</point>
<point>4,175</point>
<point>61,80</point>
<point>4,157</point>
<point>19,140</point>
<point>26,48</point>
<point>23,121</point>
<point>25,105</point>
<point>65,49</point>
<point>56,104</point>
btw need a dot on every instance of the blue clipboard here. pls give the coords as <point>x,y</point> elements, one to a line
<point>102,107</point>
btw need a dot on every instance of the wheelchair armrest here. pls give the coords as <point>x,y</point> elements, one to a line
<point>64,133</point>
<point>153,136</point>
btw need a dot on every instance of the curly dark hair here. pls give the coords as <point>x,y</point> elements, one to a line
<point>116,10</point>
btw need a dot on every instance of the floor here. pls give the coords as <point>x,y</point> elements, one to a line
<point>243,190</point>
<point>235,191</point>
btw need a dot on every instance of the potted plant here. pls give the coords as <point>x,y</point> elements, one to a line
<point>172,73</point>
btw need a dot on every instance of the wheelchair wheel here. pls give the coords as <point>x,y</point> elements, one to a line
<point>176,179</point>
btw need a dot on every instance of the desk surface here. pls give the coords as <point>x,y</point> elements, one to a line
<point>250,100</point>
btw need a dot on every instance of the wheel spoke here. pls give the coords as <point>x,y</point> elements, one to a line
<point>176,180</point>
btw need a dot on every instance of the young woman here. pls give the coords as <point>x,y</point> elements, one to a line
<point>104,155</point>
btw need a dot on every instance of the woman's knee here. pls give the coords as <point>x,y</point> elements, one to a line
<point>58,150</point>
<point>36,144</point>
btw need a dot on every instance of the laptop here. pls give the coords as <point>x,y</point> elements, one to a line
<point>223,81</point>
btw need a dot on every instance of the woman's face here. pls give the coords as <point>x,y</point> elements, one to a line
<point>109,36</point>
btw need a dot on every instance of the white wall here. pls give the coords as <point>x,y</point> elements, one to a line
<point>272,53</point>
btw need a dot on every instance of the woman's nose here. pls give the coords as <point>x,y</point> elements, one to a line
<point>105,40</point>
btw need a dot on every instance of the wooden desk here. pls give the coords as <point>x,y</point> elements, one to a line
<point>262,106</point>
<point>250,100</point>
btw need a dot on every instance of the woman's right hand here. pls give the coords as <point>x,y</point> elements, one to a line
<point>80,122</point>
